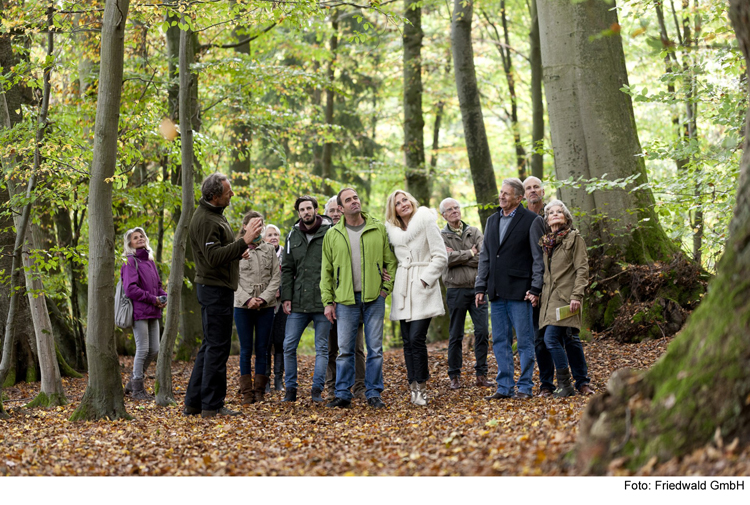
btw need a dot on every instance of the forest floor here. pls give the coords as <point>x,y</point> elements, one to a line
<point>458,433</point>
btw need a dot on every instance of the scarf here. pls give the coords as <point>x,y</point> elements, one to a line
<point>553,239</point>
<point>313,228</point>
<point>457,231</point>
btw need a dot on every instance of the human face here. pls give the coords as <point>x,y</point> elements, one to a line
<point>534,190</point>
<point>307,212</point>
<point>508,198</point>
<point>334,212</point>
<point>350,203</point>
<point>556,218</point>
<point>225,197</point>
<point>272,236</point>
<point>404,208</point>
<point>137,240</point>
<point>452,212</point>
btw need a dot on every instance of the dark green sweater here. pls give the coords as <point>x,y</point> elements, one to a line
<point>215,250</point>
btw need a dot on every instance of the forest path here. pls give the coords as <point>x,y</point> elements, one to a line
<point>458,433</point>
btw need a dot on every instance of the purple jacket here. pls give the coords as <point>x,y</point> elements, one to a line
<point>142,286</point>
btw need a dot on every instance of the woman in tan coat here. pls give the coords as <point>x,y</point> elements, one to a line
<point>254,300</point>
<point>566,274</point>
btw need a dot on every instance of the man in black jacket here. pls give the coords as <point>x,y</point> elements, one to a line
<point>511,272</point>
<point>217,273</point>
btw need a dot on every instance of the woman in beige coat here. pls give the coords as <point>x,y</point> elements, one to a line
<point>420,250</point>
<point>254,302</point>
<point>566,274</point>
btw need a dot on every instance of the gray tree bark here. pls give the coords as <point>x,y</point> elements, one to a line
<point>104,395</point>
<point>475,135</point>
<point>697,392</point>
<point>417,180</point>
<point>163,383</point>
<point>537,99</point>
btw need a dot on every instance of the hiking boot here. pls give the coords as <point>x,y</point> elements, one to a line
<point>339,403</point>
<point>139,392</point>
<point>190,411</point>
<point>564,387</point>
<point>291,395</point>
<point>316,392</point>
<point>420,398</point>
<point>376,402</point>
<point>413,391</point>
<point>221,412</point>
<point>482,382</point>
<point>586,390</point>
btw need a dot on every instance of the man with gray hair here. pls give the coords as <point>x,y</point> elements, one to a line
<point>511,272</point>
<point>463,243</point>
<point>217,272</point>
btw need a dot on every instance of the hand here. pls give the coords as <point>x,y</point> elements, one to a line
<point>254,303</point>
<point>474,250</point>
<point>575,305</point>
<point>252,230</point>
<point>161,305</point>
<point>287,307</point>
<point>383,294</point>
<point>424,284</point>
<point>246,254</point>
<point>532,298</point>
<point>449,250</point>
<point>278,293</point>
<point>479,299</point>
<point>330,313</point>
<point>386,276</point>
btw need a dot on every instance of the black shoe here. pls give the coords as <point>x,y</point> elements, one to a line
<point>190,411</point>
<point>316,395</point>
<point>339,403</point>
<point>375,402</point>
<point>221,412</point>
<point>522,396</point>
<point>291,395</point>
<point>497,396</point>
<point>278,383</point>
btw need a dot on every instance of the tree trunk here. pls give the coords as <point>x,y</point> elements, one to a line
<point>327,157</point>
<point>241,134</point>
<point>163,383</point>
<point>698,391</point>
<point>417,181</point>
<point>477,147</point>
<point>104,395</point>
<point>537,100</point>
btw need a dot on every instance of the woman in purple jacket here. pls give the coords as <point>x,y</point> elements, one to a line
<point>143,286</point>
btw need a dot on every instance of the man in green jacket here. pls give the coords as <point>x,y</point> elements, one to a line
<point>355,252</point>
<point>217,273</point>
<point>300,294</point>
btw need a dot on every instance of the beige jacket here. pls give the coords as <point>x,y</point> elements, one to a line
<point>462,263</point>
<point>565,279</point>
<point>260,276</point>
<point>421,256</point>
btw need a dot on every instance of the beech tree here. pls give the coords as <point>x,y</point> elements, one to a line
<point>700,388</point>
<point>417,181</point>
<point>104,394</point>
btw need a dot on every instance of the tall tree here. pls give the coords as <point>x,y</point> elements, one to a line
<point>699,389</point>
<point>163,385</point>
<point>475,136</point>
<point>537,100</point>
<point>327,158</point>
<point>104,395</point>
<point>417,180</point>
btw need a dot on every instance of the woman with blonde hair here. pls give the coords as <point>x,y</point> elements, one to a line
<point>142,285</point>
<point>272,235</point>
<point>420,250</point>
<point>254,302</point>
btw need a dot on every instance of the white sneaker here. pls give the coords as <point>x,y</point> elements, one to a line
<point>413,390</point>
<point>421,396</point>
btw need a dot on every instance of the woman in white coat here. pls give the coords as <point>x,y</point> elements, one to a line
<point>420,250</point>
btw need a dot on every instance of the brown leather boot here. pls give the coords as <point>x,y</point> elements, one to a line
<point>260,387</point>
<point>482,381</point>
<point>246,389</point>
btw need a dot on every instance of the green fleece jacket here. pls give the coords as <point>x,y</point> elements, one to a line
<point>216,252</point>
<point>336,284</point>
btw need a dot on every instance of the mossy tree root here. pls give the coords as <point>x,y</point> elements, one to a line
<point>95,406</point>
<point>45,400</point>
<point>65,369</point>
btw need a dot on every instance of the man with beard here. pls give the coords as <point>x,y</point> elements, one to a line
<point>300,294</point>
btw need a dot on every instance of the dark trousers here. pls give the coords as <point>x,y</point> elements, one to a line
<point>208,382</point>
<point>359,361</point>
<point>543,357</point>
<point>414,336</point>
<point>276,344</point>
<point>461,300</point>
<point>254,331</point>
<point>565,348</point>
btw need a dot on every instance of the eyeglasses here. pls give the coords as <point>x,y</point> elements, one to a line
<point>451,209</point>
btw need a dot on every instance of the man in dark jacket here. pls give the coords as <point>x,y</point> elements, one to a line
<point>216,254</point>
<point>463,243</point>
<point>300,294</point>
<point>511,272</point>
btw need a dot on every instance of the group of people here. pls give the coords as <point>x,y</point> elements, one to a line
<point>337,268</point>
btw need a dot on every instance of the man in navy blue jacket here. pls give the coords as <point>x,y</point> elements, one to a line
<point>511,272</point>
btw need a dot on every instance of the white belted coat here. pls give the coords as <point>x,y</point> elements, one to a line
<point>421,256</point>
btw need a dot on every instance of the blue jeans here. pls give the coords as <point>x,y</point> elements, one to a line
<point>295,325</point>
<point>348,317</point>
<point>257,322</point>
<point>564,345</point>
<point>507,315</point>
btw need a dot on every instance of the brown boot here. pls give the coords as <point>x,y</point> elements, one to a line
<point>260,387</point>
<point>482,381</point>
<point>246,389</point>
